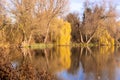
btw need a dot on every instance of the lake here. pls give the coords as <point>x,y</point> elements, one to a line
<point>71,63</point>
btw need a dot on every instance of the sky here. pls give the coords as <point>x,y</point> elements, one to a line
<point>77,5</point>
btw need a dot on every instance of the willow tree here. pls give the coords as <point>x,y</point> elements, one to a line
<point>35,16</point>
<point>60,32</point>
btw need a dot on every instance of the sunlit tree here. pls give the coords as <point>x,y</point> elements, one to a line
<point>34,16</point>
<point>60,32</point>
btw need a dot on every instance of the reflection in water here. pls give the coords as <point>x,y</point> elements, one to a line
<point>53,60</point>
<point>19,67</point>
<point>95,63</point>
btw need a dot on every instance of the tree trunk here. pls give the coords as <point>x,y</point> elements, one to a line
<point>92,35</point>
<point>90,38</point>
<point>48,28</point>
<point>30,38</point>
<point>24,39</point>
<point>86,38</point>
<point>81,37</point>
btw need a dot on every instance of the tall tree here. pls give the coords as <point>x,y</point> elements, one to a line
<point>74,20</point>
<point>35,16</point>
<point>95,18</point>
<point>91,21</point>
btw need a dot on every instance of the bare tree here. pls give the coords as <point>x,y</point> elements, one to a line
<point>91,22</point>
<point>51,9</point>
<point>35,16</point>
<point>97,17</point>
<point>74,20</point>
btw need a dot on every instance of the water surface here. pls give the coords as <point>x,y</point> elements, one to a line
<point>66,63</point>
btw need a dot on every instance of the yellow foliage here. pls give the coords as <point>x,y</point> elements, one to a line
<point>62,32</point>
<point>111,49</point>
<point>61,59</point>
<point>103,56</point>
<point>106,49</point>
<point>65,57</point>
<point>65,34</point>
<point>106,39</point>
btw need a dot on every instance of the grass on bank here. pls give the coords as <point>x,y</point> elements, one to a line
<point>50,45</point>
<point>40,46</point>
<point>83,44</point>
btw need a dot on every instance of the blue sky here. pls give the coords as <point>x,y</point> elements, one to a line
<point>77,5</point>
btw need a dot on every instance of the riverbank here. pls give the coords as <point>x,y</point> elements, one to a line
<point>50,45</point>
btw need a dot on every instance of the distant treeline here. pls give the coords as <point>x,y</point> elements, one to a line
<point>45,21</point>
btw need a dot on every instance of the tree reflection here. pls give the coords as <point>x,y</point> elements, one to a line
<point>53,60</point>
<point>100,63</point>
<point>75,56</point>
<point>95,62</point>
<point>24,71</point>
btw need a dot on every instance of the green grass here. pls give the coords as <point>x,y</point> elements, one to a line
<point>40,46</point>
<point>43,45</point>
<point>83,44</point>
